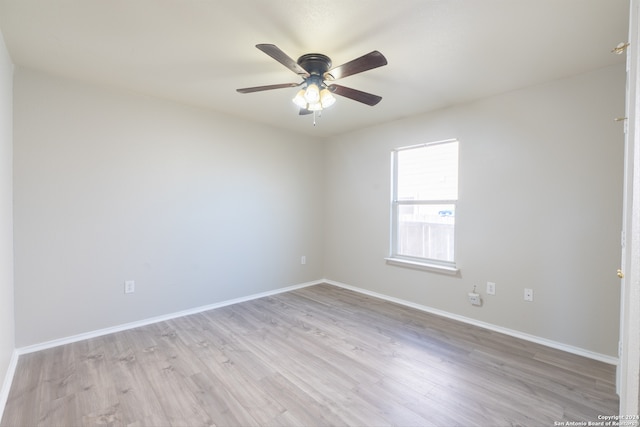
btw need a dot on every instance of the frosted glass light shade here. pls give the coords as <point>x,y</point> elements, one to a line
<point>299,99</point>
<point>326,98</point>
<point>312,94</point>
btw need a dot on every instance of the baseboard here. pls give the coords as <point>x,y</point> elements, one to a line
<point>162,318</point>
<point>8,380</point>
<point>93,334</point>
<point>511,332</point>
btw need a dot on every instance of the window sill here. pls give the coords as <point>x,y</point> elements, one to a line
<point>423,266</point>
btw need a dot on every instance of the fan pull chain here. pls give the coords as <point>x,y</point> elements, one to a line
<point>314,116</point>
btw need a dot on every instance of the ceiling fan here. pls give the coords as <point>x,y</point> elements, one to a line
<point>315,70</point>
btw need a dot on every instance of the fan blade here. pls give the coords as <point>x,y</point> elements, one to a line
<point>275,52</point>
<point>366,62</point>
<point>304,112</point>
<point>269,87</point>
<point>356,95</point>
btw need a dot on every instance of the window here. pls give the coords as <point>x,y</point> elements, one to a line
<point>423,204</point>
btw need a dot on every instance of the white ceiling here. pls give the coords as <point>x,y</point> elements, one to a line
<point>440,52</point>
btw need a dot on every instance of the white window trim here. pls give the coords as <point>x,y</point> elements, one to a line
<point>425,264</point>
<point>422,265</point>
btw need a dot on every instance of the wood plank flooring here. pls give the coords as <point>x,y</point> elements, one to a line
<point>316,356</point>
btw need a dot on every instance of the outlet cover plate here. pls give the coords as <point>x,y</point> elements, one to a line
<point>475,299</point>
<point>491,288</point>
<point>528,294</point>
<point>129,286</point>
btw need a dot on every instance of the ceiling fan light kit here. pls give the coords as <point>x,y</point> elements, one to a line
<point>315,69</point>
<point>314,97</point>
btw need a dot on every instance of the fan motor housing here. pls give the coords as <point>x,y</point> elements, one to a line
<point>316,64</point>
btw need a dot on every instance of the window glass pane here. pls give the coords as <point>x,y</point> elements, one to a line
<point>428,173</point>
<point>426,231</point>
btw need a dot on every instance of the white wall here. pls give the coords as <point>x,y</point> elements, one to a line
<point>196,207</point>
<point>540,207</point>
<point>7,340</point>
<point>200,208</point>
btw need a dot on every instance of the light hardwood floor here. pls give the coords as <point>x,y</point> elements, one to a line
<point>321,355</point>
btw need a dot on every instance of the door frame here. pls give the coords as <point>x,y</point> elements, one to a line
<point>629,350</point>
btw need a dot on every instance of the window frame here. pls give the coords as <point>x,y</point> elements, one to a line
<point>429,264</point>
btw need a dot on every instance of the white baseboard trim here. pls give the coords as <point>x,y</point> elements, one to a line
<point>118,328</point>
<point>511,332</point>
<point>8,380</point>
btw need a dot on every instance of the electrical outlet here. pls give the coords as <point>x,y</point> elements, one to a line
<point>129,286</point>
<point>475,299</point>
<point>528,294</point>
<point>491,288</point>
<point>303,260</point>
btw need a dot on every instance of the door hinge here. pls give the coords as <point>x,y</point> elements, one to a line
<point>625,122</point>
<point>620,48</point>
